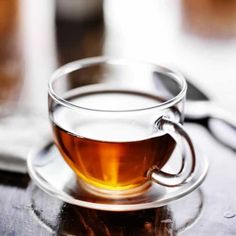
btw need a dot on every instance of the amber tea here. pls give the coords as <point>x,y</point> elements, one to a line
<point>111,151</point>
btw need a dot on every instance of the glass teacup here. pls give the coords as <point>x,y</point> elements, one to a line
<point>117,122</point>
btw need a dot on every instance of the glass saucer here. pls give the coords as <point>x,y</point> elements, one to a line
<point>50,172</point>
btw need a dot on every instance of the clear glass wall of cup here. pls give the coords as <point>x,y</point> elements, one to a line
<point>116,123</point>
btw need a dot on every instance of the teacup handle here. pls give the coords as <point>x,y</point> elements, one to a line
<point>185,174</point>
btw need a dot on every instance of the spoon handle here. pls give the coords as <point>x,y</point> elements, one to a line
<point>223,127</point>
<point>219,123</point>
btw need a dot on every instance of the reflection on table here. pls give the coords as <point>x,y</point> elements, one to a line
<point>73,220</point>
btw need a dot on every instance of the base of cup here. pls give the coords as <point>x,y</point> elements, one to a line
<point>115,194</point>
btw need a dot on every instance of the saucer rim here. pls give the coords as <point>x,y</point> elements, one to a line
<point>52,191</point>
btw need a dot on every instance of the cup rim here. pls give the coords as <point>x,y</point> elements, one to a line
<point>82,63</point>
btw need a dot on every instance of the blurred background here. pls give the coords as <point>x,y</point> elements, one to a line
<point>197,37</point>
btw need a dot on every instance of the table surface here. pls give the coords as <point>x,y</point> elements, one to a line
<point>189,35</point>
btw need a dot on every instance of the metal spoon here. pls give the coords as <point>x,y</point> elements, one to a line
<point>200,109</point>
